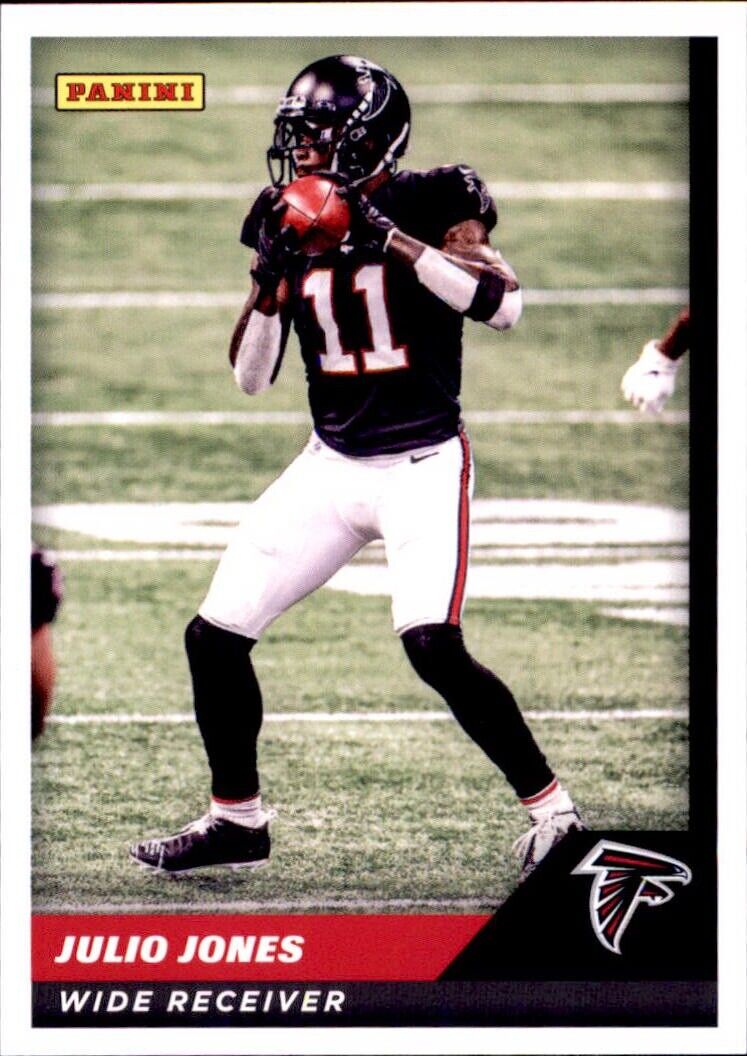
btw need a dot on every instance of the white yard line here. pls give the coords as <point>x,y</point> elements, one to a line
<point>598,190</point>
<point>651,614</point>
<point>179,718</point>
<point>151,418</point>
<point>494,417</point>
<point>456,94</point>
<point>141,299</point>
<point>233,299</point>
<point>505,553</point>
<point>614,295</point>
<point>470,94</point>
<point>272,905</point>
<point>635,553</point>
<point>185,554</point>
<point>509,417</point>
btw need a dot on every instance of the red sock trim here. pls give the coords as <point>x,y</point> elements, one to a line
<point>460,578</point>
<point>233,802</point>
<point>532,801</point>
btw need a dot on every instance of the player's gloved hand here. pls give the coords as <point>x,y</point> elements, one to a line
<point>368,225</point>
<point>276,248</point>
<point>649,383</point>
<point>263,231</point>
<point>263,211</point>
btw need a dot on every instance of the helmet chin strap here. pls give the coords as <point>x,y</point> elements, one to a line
<point>388,161</point>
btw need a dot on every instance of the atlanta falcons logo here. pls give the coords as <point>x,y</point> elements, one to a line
<point>623,878</point>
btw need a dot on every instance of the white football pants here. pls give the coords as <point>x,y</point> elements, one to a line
<point>319,513</point>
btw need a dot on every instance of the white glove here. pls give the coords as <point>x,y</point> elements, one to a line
<point>649,383</point>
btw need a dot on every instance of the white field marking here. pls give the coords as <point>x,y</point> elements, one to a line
<point>512,190</point>
<point>272,905</point>
<point>186,554</point>
<point>139,299</point>
<point>481,549</point>
<point>507,417</point>
<point>663,582</point>
<point>457,94</point>
<point>372,553</point>
<point>150,418</point>
<point>227,299</point>
<point>660,578</point>
<point>679,616</point>
<point>657,580</point>
<point>182,718</point>
<point>509,553</point>
<point>615,296</point>
<point>572,553</point>
<point>495,522</point>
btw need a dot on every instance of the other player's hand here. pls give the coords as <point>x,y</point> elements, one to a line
<point>650,381</point>
<point>368,225</point>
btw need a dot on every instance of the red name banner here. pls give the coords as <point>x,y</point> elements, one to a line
<point>144,948</point>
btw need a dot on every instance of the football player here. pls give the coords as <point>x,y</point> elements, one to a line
<point>379,320</point>
<point>46,595</point>
<point>650,381</point>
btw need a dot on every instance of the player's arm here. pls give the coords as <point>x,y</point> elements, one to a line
<point>650,381</point>
<point>676,341</point>
<point>261,332</point>
<point>43,677</point>
<point>46,595</point>
<point>259,338</point>
<point>466,272</point>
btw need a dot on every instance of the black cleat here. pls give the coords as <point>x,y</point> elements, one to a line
<point>206,842</point>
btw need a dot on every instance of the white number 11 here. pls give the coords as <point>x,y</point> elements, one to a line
<point>368,281</point>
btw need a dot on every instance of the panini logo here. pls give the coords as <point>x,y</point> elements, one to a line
<point>130,91</point>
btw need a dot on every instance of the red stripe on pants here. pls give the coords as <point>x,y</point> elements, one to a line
<point>460,579</point>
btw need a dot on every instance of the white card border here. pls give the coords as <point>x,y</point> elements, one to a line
<point>22,22</point>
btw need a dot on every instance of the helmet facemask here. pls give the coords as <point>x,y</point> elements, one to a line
<point>292,134</point>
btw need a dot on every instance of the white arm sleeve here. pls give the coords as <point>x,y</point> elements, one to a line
<point>449,282</point>
<point>457,288</point>
<point>258,353</point>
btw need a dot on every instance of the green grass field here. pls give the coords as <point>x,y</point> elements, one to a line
<point>356,822</point>
<point>354,799</point>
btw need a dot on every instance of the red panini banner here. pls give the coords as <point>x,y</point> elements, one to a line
<point>128,948</point>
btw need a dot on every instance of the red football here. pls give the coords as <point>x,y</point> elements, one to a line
<point>319,215</point>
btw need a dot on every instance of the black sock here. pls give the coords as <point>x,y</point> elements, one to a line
<point>228,706</point>
<point>483,706</point>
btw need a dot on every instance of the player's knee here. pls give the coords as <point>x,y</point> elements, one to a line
<point>205,642</point>
<point>437,653</point>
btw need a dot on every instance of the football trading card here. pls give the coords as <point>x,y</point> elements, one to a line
<point>362,421</point>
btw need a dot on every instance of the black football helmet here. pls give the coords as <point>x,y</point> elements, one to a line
<point>349,106</point>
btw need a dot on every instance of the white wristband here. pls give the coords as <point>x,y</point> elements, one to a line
<point>653,359</point>
<point>449,283</point>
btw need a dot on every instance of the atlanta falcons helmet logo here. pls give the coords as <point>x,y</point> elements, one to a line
<point>623,878</point>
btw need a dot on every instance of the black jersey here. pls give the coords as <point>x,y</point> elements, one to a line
<point>383,355</point>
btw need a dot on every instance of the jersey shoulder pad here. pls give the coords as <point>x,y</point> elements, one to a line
<point>458,193</point>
